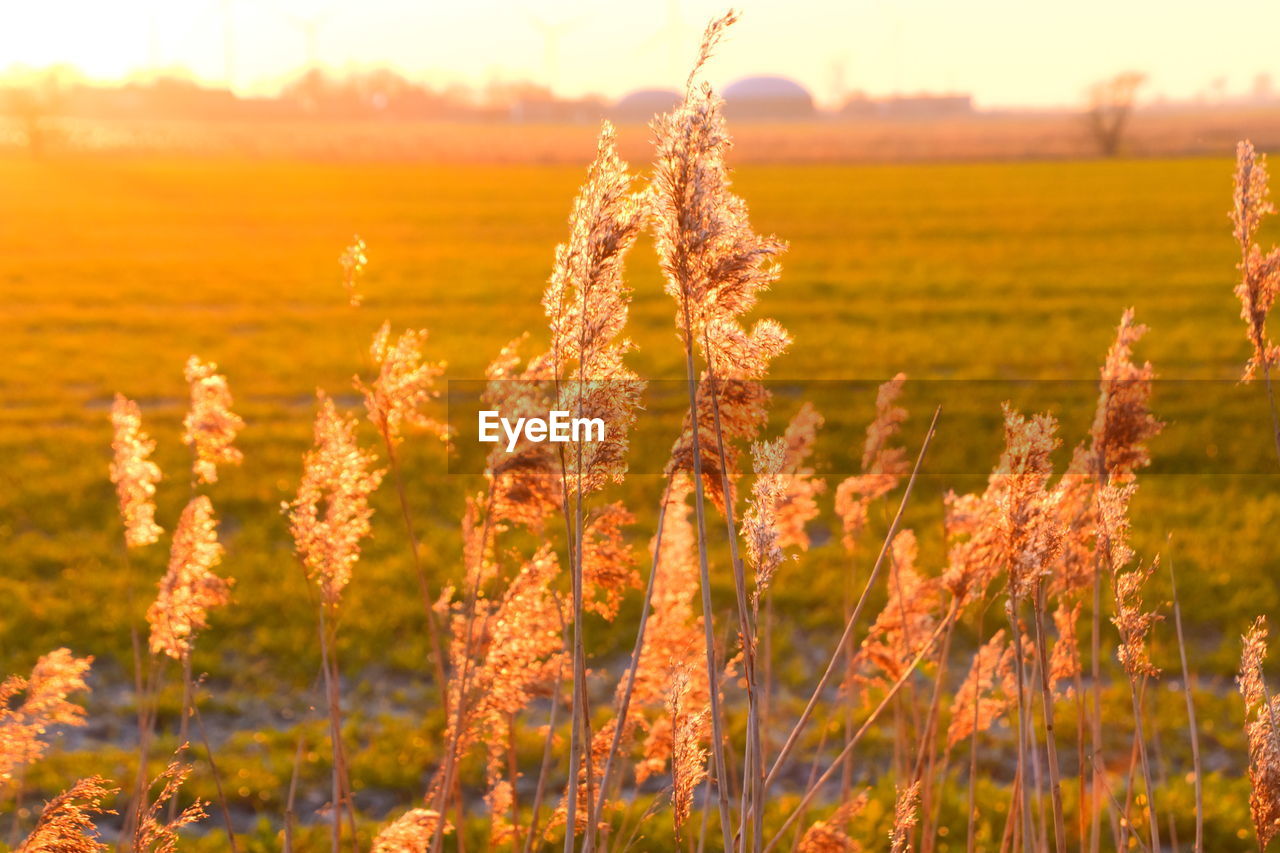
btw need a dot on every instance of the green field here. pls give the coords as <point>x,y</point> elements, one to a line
<point>112,272</point>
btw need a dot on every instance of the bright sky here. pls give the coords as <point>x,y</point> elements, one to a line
<point>1005,52</point>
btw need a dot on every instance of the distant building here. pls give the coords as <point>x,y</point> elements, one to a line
<point>767,98</point>
<point>908,106</point>
<point>640,106</point>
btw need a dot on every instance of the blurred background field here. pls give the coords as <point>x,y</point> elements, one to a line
<point>113,270</point>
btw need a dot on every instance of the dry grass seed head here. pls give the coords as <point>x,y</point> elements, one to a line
<point>526,485</point>
<point>1028,507</point>
<point>1264,740</point>
<point>25,722</point>
<point>760,524</point>
<point>691,728</point>
<point>1134,622</point>
<point>1123,422</point>
<point>134,474</point>
<point>331,512</point>
<point>714,263</point>
<point>189,587</point>
<point>1259,271</point>
<point>798,504</point>
<point>905,817</point>
<point>586,302</point>
<point>883,465</point>
<point>66,823</point>
<point>155,834</point>
<point>412,832</point>
<point>985,695</point>
<point>210,427</point>
<point>829,836</point>
<point>743,408</point>
<point>404,386</point>
<point>608,563</point>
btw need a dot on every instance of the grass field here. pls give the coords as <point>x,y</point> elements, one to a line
<point>112,272</point>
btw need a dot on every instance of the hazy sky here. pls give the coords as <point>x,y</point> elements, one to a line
<point>1005,52</point>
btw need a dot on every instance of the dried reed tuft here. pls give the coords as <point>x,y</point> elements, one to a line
<point>66,823</point>
<point>134,474</point>
<point>883,466</point>
<point>210,427</point>
<point>1264,736</point>
<point>25,721</point>
<point>410,833</point>
<point>905,818</point>
<point>189,588</point>
<point>829,836</point>
<point>405,384</point>
<point>155,834</point>
<point>1259,271</point>
<point>331,512</point>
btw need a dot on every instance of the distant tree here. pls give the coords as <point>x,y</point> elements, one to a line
<point>1110,106</point>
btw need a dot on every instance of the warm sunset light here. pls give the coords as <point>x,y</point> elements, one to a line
<point>602,427</point>
<point>1005,53</point>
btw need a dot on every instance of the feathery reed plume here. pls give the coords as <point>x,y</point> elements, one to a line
<point>1264,737</point>
<point>66,824</point>
<point>1030,541</point>
<point>742,406</point>
<point>760,524</point>
<point>715,266</point>
<point>393,401</point>
<point>974,542</point>
<point>690,728</point>
<point>674,629</point>
<point>608,563</point>
<point>210,426</point>
<point>829,836</point>
<point>154,834</point>
<point>526,485</point>
<point>1259,272</point>
<point>798,505</point>
<point>673,633</point>
<point>328,518</point>
<point>405,383</point>
<point>592,764</point>
<point>1064,661</point>
<point>25,722</point>
<point>331,512</point>
<point>883,466</point>
<point>134,474</point>
<point>586,303</point>
<point>514,654</point>
<point>353,261</point>
<point>905,817</point>
<point>905,627</point>
<point>410,833</point>
<point>1030,523</point>
<point>1121,427</point>
<point>1134,622</point>
<point>189,587</point>
<point>586,299</point>
<point>986,693</point>
<point>1014,527</point>
<point>1123,422</point>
